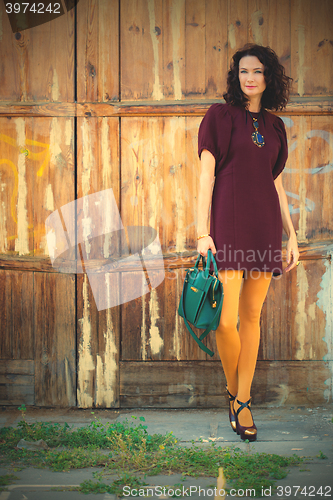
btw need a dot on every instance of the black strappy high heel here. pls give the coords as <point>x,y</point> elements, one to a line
<point>232,418</point>
<point>249,433</point>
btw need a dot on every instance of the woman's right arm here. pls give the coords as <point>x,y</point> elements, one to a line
<point>207,179</point>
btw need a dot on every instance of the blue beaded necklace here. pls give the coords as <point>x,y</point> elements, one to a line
<point>257,138</point>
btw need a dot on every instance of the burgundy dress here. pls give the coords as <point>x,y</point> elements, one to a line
<point>246,223</point>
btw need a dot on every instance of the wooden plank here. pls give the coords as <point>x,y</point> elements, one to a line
<point>269,24</point>
<point>296,315</point>
<point>192,180</point>
<point>319,178</point>
<point>291,383</point>
<point>98,170</point>
<point>137,51</point>
<point>98,330</point>
<point>173,38</point>
<point>321,47</point>
<point>36,162</point>
<point>150,332</point>
<point>294,324</point>
<point>53,173</point>
<point>308,176</point>
<point>299,163</point>
<point>39,63</point>
<point>17,382</point>
<point>98,51</point>
<point>98,155</point>
<point>301,47</point>
<point>158,191</point>
<point>17,178</point>
<point>237,26</point>
<point>297,106</point>
<point>201,384</point>
<point>153,167</point>
<point>216,34</point>
<point>17,367</point>
<point>315,250</point>
<point>311,47</point>
<point>17,395</point>
<point>11,380</point>
<point>55,358</point>
<point>16,315</point>
<point>97,350</point>
<point>195,48</point>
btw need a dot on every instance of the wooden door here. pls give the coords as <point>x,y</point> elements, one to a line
<point>110,96</point>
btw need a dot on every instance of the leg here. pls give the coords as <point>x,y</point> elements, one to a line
<point>250,304</point>
<point>227,338</point>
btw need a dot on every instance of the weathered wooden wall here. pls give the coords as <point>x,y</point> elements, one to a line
<point>111,95</point>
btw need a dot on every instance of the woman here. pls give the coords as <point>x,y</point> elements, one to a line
<point>243,150</point>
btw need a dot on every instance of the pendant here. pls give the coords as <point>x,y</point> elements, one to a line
<point>258,139</point>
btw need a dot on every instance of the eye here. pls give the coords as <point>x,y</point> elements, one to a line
<point>258,71</point>
<point>243,71</point>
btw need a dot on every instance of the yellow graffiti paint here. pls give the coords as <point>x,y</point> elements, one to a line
<point>36,156</point>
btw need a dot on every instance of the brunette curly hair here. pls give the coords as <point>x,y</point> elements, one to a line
<point>276,94</point>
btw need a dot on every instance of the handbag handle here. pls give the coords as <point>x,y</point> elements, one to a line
<point>206,265</point>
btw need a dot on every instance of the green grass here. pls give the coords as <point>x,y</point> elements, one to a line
<point>7,479</point>
<point>125,448</point>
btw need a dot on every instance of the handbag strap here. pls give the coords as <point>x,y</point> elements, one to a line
<point>208,329</point>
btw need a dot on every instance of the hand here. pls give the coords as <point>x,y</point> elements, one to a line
<point>292,253</point>
<point>204,244</point>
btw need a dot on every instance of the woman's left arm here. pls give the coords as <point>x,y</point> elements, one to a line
<point>292,247</point>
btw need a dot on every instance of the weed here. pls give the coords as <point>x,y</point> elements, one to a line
<point>321,455</point>
<point>116,487</point>
<point>127,448</point>
<point>23,410</point>
<point>90,486</point>
<point>76,458</point>
<point>7,479</point>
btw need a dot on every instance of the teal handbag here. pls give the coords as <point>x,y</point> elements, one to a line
<point>202,299</point>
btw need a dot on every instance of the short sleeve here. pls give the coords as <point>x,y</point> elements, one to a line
<point>283,154</point>
<point>215,133</point>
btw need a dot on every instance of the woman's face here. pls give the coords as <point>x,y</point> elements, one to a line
<point>251,76</point>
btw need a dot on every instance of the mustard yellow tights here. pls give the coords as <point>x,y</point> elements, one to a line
<point>238,350</point>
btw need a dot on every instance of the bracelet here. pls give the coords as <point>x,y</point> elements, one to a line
<point>202,236</point>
